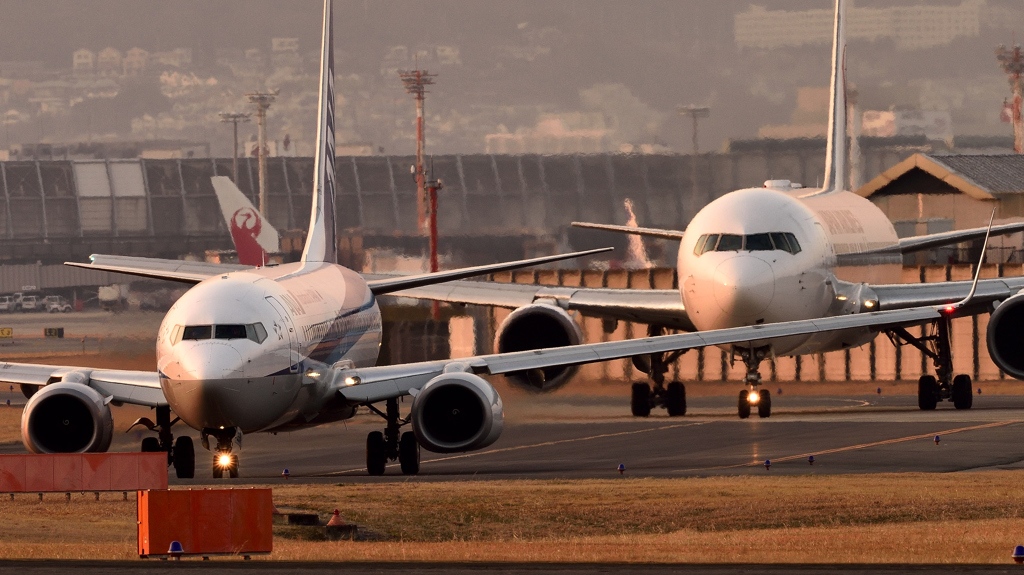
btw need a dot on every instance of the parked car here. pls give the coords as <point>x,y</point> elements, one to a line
<point>7,303</point>
<point>56,303</point>
<point>31,303</point>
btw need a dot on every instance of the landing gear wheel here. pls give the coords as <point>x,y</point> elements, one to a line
<point>640,403</point>
<point>233,467</point>
<point>409,453</point>
<point>376,453</point>
<point>743,404</point>
<point>764,405</point>
<point>675,399</point>
<point>218,471</point>
<point>150,445</point>
<point>927,393</point>
<point>184,458</point>
<point>962,394</point>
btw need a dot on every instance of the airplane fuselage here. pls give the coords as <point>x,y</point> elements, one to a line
<point>244,349</point>
<point>763,255</point>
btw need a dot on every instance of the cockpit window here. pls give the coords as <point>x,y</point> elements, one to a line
<point>256,332</point>
<point>197,332</point>
<point>700,245</point>
<point>758,243</point>
<point>253,331</point>
<point>730,243</point>
<point>230,332</point>
<point>794,246</point>
<point>710,244</point>
<point>784,241</point>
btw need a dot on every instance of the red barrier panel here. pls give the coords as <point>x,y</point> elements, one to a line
<point>206,522</point>
<point>82,472</point>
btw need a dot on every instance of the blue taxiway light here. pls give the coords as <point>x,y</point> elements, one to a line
<point>810,460</point>
<point>1018,554</point>
<point>768,464</point>
<point>621,468</point>
<point>937,439</point>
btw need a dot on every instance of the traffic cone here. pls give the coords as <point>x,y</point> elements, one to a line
<point>336,519</point>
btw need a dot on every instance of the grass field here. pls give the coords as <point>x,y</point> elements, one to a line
<point>968,517</point>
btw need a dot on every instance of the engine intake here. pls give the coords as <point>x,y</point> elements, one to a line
<point>1005,336</point>
<point>457,412</point>
<point>67,417</point>
<point>538,326</point>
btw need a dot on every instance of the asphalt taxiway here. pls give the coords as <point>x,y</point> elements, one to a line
<point>573,437</point>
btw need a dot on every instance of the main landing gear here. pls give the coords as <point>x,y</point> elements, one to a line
<point>672,396</point>
<point>180,453</point>
<point>943,385</point>
<point>390,445</point>
<point>752,398</point>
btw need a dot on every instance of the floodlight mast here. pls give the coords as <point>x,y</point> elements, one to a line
<point>262,101</point>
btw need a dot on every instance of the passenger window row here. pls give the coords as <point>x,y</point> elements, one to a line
<point>784,241</point>
<point>253,331</point>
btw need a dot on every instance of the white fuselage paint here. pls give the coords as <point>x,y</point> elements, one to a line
<point>315,316</point>
<point>724,289</point>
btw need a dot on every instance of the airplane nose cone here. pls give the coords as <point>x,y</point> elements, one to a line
<point>211,361</point>
<point>744,286</point>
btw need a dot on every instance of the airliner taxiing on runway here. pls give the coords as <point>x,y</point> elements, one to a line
<point>277,348</point>
<point>770,256</point>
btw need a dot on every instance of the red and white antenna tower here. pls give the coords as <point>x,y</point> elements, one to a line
<point>416,82</point>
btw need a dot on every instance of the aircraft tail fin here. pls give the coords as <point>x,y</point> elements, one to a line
<point>254,237</point>
<point>835,155</point>
<point>321,239</point>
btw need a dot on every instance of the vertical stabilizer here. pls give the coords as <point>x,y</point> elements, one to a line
<point>321,239</point>
<point>253,237</point>
<point>835,156</point>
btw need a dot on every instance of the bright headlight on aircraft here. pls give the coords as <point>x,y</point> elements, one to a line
<point>352,380</point>
<point>224,460</point>
<point>313,374</point>
<point>841,297</point>
<point>869,303</point>
<point>754,397</point>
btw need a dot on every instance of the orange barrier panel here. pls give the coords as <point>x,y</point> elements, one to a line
<point>206,522</point>
<point>82,472</point>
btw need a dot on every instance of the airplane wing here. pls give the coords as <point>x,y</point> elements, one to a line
<point>134,387</point>
<point>172,270</point>
<point>371,384</point>
<point>392,283</point>
<point>658,306</point>
<point>902,296</point>
<point>651,232</point>
<point>927,242</point>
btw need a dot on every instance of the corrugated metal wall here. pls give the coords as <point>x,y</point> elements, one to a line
<point>14,278</point>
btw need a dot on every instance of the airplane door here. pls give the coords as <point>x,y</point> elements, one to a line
<point>287,330</point>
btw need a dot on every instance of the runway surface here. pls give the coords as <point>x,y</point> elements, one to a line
<point>572,437</point>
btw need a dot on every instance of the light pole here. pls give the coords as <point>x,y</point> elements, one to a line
<point>1013,65</point>
<point>694,112</point>
<point>234,118</point>
<point>262,101</point>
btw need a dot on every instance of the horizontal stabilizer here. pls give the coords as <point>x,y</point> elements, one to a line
<point>652,232</point>
<point>171,270</point>
<point>393,284</point>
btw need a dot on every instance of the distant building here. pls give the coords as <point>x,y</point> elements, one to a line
<point>809,120</point>
<point>135,62</point>
<point>83,61</point>
<point>933,124</point>
<point>108,62</point>
<point>911,27</point>
<point>178,57</point>
<point>448,56</point>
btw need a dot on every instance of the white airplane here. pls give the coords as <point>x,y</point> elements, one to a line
<point>768,257</point>
<point>254,238</point>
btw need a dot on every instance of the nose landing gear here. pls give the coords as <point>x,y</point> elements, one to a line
<point>672,396</point>
<point>223,460</point>
<point>749,398</point>
<point>390,444</point>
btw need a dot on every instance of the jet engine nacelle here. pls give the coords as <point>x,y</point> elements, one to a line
<point>457,412</point>
<point>1005,337</point>
<point>538,326</point>
<point>67,417</point>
